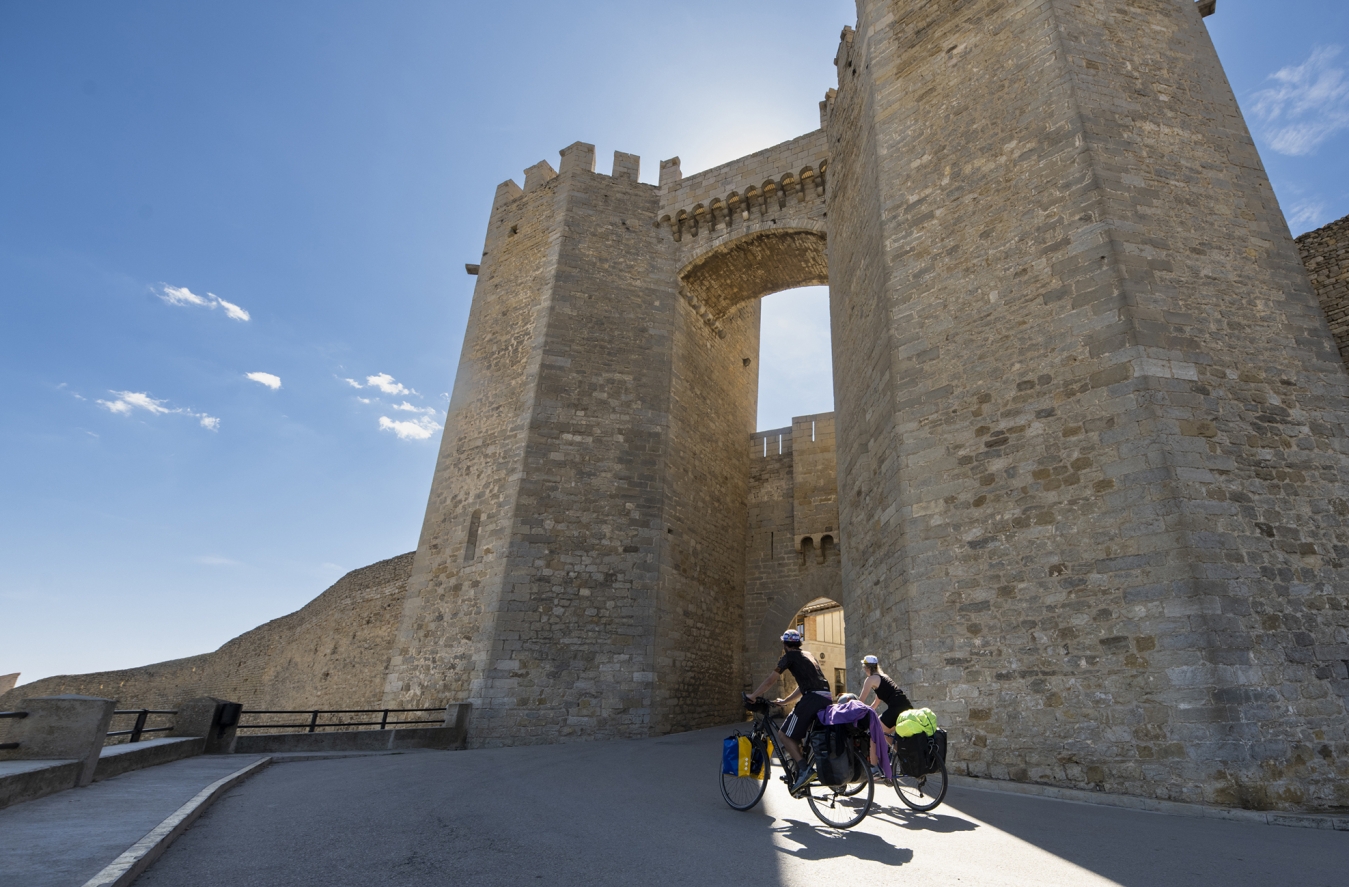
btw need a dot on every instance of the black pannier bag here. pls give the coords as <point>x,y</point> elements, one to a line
<point>938,751</point>
<point>830,747</point>
<point>922,754</point>
<point>912,754</point>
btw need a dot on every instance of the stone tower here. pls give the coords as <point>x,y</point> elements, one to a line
<point>1092,442</point>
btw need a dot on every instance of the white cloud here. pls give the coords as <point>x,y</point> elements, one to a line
<point>128,402</point>
<point>215,561</point>
<point>1308,104</point>
<point>417,429</point>
<point>181,295</point>
<point>384,382</point>
<point>409,408</point>
<point>271,381</point>
<point>1305,215</point>
<point>353,383</point>
<point>135,400</point>
<point>364,400</point>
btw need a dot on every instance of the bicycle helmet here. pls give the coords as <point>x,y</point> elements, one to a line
<point>791,636</point>
<point>870,660</point>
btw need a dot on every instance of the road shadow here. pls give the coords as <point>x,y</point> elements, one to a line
<point>927,822</point>
<point>817,843</point>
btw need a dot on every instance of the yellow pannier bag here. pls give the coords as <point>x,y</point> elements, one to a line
<point>746,753</point>
<point>748,763</point>
<point>915,721</point>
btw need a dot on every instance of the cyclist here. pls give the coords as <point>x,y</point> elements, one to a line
<point>886,691</point>
<point>811,689</point>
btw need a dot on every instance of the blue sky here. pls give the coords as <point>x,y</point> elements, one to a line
<point>232,240</point>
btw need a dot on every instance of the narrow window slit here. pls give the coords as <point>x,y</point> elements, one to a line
<point>471,546</point>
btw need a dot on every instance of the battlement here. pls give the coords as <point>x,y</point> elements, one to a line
<point>759,184</point>
<point>576,157</point>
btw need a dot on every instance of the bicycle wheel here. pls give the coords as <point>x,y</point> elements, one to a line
<point>743,792</point>
<point>842,808</point>
<point>921,793</point>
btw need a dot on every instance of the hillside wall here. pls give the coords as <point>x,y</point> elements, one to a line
<point>331,653</point>
<point>1325,252</point>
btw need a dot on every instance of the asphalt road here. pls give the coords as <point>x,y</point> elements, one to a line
<point>649,812</point>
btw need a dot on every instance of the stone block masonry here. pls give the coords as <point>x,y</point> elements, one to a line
<point>1093,459</point>
<point>1325,252</point>
<point>793,491</point>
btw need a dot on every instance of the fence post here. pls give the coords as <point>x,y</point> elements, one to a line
<point>139,725</point>
<point>215,720</point>
<point>384,721</point>
<point>313,721</point>
<point>456,716</point>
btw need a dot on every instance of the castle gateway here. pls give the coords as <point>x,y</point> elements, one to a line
<point>1086,489</point>
<point>1092,455</point>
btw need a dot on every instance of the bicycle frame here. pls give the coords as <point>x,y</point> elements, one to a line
<point>764,720</point>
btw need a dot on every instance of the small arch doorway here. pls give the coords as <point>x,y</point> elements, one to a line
<point>821,625</point>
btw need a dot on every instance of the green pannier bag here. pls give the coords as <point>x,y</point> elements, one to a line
<point>916,721</point>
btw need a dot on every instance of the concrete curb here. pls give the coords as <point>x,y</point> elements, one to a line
<point>1152,805</point>
<point>129,866</point>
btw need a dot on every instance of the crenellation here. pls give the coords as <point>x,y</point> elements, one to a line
<point>538,175</point>
<point>577,156</point>
<point>627,166</point>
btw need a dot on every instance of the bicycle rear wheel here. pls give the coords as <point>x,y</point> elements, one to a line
<point>743,792</point>
<point>921,793</point>
<point>842,806</point>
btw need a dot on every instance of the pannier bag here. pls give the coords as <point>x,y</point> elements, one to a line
<point>739,757</point>
<point>916,721</point>
<point>938,749</point>
<point>922,754</point>
<point>830,746</point>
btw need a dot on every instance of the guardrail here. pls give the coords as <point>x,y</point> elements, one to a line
<point>139,729</point>
<point>11,714</point>
<point>314,714</point>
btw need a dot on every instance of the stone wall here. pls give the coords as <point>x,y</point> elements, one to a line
<point>1325,252</point>
<point>1101,478</point>
<point>331,653</point>
<point>792,507</point>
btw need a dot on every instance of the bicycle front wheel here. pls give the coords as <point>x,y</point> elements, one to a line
<point>844,806</point>
<point>921,793</point>
<point>743,792</point>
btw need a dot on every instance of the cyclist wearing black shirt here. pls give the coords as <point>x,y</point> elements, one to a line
<point>811,689</point>
<point>886,690</point>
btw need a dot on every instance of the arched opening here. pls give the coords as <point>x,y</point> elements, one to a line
<point>755,265</point>
<point>821,623</point>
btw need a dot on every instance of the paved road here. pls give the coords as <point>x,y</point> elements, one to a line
<point>648,812</point>
<point>65,839</point>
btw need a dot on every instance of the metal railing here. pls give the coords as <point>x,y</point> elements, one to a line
<point>312,724</point>
<point>11,714</point>
<point>139,729</point>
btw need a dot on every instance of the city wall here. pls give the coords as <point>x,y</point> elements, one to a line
<point>331,653</point>
<point>1325,253</point>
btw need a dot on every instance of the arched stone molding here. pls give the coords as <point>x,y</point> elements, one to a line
<point>753,266</point>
